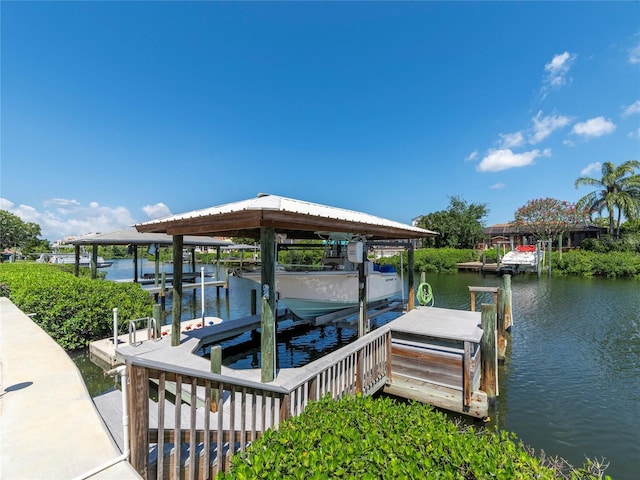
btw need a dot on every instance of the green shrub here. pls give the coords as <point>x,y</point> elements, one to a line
<point>589,263</point>
<point>433,259</point>
<point>365,438</point>
<point>72,310</point>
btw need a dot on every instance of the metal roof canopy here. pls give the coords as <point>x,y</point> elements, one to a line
<point>130,236</point>
<point>296,218</point>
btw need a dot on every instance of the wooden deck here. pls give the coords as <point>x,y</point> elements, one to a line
<point>433,355</point>
<point>478,267</point>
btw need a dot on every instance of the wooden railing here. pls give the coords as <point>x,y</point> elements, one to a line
<point>188,423</point>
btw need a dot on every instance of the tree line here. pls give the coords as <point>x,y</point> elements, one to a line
<point>460,225</point>
<point>617,194</point>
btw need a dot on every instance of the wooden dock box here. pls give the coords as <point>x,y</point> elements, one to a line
<point>435,358</point>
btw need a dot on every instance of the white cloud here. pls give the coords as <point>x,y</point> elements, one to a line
<point>511,140</point>
<point>557,71</point>
<point>592,167</point>
<point>631,109</point>
<point>503,159</point>
<point>62,217</point>
<point>497,186</point>
<point>545,126</point>
<point>594,127</point>
<point>635,134</point>
<point>634,54</point>
<point>472,156</point>
<point>158,210</point>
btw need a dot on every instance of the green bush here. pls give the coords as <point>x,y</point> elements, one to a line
<point>433,259</point>
<point>365,438</point>
<point>72,310</point>
<point>589,263</point>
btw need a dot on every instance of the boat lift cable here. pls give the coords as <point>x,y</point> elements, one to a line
<point>425,295</point>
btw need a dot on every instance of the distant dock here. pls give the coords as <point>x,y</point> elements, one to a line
<point>478,267</point>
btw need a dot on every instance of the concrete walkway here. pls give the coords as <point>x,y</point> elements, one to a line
<point>49,426</point>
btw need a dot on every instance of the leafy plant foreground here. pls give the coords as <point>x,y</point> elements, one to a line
<point>365,438</point>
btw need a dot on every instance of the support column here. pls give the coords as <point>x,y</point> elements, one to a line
<point>268,320</point>
<point>76,270</point>
<point>362,297</point>
<point>177,290</point>
<point>488,354</point>
<point>94,261</point>
<point>135,263</point>
<point>410,267</point>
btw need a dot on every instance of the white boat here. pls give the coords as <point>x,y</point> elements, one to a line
<point>333,286</point>
<point>70,259</point>
<point>523,258</point>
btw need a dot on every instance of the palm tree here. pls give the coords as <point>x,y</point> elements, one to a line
<point>618,191</point>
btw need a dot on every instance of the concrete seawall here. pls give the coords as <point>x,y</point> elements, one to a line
<point>49,426</point>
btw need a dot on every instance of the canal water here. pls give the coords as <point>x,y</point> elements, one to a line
<point>570,385</point>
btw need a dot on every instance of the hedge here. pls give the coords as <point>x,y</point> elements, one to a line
<point>366,438</point>
<point>73,310</point>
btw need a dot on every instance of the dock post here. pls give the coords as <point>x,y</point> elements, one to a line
<point>157,315</point>
<point>508,316</point>
<point>216,367</point>
<point>267,323</point>
<point>94,262</point>
<point>489,374</point>
<point>410,266</point>
<point>138,418</point>
<point>163,293</point>
<point>177,290</point>
<point>502,341</point>
<point>254,301</point>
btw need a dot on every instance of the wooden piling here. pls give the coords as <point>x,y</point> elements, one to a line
<point>508,317</point>
<point>411,302</point>
<point>157,315</point>
<point>267,324</point>
<point>489,373</point>
<point>138,418</point>
<point>177,290</point>
<point>254,301</point>
<point>216,367</point>
<point>502,341</point>
<point>163,294</point>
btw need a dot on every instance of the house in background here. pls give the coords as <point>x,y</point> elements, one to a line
<point>510,233</point>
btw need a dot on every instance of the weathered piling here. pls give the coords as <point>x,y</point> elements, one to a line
<point>489,375</point>
<point>157,315</point>
<point>177,290</point>
<point>502,341</point>
<point>508,317</point>
<point>254,301</point>
<point>216,367</point>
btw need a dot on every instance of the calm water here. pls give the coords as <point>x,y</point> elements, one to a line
<point>570,385</point>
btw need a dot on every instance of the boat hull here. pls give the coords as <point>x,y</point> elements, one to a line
<point>314,293</point>
<point>70,259</point>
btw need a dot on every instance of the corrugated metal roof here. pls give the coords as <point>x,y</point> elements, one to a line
<point>130,236</point>
<point>297,217</point>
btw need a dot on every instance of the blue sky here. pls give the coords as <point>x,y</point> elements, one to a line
<point>114,113</point>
